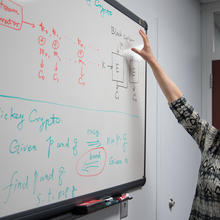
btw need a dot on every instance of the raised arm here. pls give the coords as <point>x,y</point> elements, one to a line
<point>169,88</point>
<point>199,129</point>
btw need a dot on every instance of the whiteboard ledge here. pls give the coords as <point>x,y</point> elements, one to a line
<point>64,208</point>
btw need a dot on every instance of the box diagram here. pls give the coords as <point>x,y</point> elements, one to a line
<point>11,14</point>
<point>117,67</point>
<point>134,70</point>
<point>124,69</point>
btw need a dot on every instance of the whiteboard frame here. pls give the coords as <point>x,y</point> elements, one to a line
<point>59,209</point>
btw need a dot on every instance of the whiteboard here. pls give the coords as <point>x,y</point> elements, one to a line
<point>72,103</point>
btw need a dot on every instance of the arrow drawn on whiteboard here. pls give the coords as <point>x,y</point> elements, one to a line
<point>92,162</point>
<point>90,165</point>
<point>33,25</point>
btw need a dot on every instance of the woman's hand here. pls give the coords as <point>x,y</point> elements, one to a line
<point>146,52</point>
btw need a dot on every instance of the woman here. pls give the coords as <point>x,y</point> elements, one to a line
<point>206,203</point>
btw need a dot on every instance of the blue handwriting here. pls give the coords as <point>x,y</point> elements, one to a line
<point>12,115</point>
<point>45,123</point>
<point>17,148</point>
<point>62,145</point>
<point>16,185</point>
<point>99,5</point>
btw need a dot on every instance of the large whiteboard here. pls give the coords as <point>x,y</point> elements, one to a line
<point>72,102</point>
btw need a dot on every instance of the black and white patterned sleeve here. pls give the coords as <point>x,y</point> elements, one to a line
<point>190,120</point>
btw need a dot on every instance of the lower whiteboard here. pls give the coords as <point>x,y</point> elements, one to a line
<point>67,206</point>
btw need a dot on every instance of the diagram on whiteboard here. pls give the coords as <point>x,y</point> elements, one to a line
<point>119,76</point>
<point>72,101</point>
<point>51,43</point>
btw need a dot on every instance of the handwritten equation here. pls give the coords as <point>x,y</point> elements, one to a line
<point>51,50</point>
<point>53,39</point>
<point>85,163</point>
<point>57,190</point>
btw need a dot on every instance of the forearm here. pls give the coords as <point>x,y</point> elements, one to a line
<point>168,87</point>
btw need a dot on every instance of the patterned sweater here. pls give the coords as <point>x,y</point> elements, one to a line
<point>206,203</point>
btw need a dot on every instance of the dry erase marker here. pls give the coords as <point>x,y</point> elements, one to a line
<point>89,206</point>
<point>108,199</point>
<point>113,202</point>
<point>124,197</point>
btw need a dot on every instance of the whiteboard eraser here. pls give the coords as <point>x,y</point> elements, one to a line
<point>88,207</point>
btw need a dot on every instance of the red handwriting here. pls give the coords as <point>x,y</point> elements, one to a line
<point>55,74</point>
<point>55,34</point>
<point>49,38</point>
<point>41,40</point>
<point>11,14</point>
<point>55,44</point>
<point>41,71</point>
<point>41,75</point>
<point>44,53</point>
<point>6,8</point>
<point>80,55</point>
<point>32,25</point>
<point>43,29</point>
<point>9,23</point>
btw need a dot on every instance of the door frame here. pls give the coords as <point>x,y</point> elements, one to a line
<point>208,37</point>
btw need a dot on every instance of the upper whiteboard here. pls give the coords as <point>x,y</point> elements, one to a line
<point>72,102</point>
